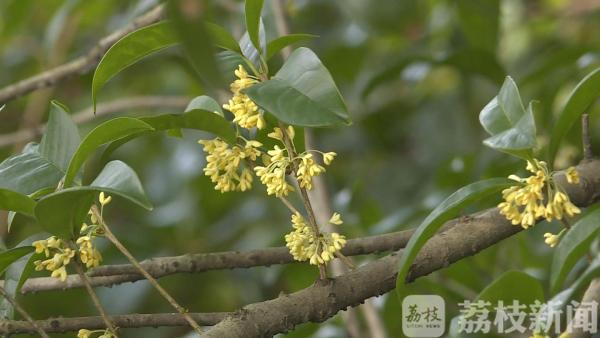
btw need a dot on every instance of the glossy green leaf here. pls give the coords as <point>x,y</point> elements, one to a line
<point>74,203</point>
<point>106,132</point>
<point>190,28</point>
<point>449,208</point>
<point>12,200</point>
<point>574,245</point>
<point>584,94</point>
<point>511,126</point>
<point>228,62</point>
<point>252,10</point>
<point>204,102</point>
<point>9,256</point>
<point>513,285</point>
<point>302,93</point>
<point>250,51</point>
<point>222,38</point>
<point>61,138</point>
<point>129,50</point>
<point>274,46</point>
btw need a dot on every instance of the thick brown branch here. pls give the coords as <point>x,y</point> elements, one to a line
<point>116,106</point>
<point>468,236</point>
<point>108,275</point>
<point>80,65</point>
<point>122,321</point>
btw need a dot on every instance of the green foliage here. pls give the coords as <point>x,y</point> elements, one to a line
<point>129,50</point>
<point>442,213</point>
<point>221,37</point>
<point>9,256</point>
<point>302,93</point>
<point>511,126</point>
<point>573,246</point>
<point>107,132</point>
<point>512,286</point>
<point>204,102</point>
<point>253,9</point>
<point>12,200</point>
<point>585,93</point>
<point>479,22</point>
<point>276,45</point>
<point>62,138</point>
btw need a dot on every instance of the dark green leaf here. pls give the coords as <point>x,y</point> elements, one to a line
<point>129,50</point>
<point>11,200</point>
<point>584,94</point>
<point>117,178</point>
<point>249,51</point>
<point>222,38</point>
<point>442,213</point>
<point>229,62</point>
<point>513,285</point>
<point>204,102</point>
<point>511,126</point>
<point>197,43</point>
<point>253,9</point>
<point>61,137</point>
<point>574,245</point>
<point>302,93</point>
<point>11,255</point>
<point>274,46</point>
<point>108,131</point>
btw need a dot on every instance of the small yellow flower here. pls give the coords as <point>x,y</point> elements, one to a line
<point>572,175</point>
<point>564,335</point>
<point>246,113</point>
<point>336,219</point>
<point>84,333</point>
<point>60,273</point>
<point>551,239</point>
<point>328,157</point>
<point>104,200</point>
<point>304,244</point>
<point>539,335</point>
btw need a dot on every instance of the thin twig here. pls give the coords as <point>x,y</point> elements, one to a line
<point>93,296</point>
<point>111,237</point>
<point>24,314</point>
<point>585,137</point>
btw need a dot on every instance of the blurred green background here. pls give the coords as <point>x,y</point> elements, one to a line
<point>415,75</point>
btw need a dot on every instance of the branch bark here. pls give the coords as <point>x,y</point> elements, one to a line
<point>109,108</point>
<point>468,236</point>
<point>109,275</point>
<point>80,65</point>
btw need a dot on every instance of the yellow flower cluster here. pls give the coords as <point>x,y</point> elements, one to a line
<point>223,164</point>
<point>246,113</point>
<point>304,243</point>
<point>524,203</point>
<point>85,333</point>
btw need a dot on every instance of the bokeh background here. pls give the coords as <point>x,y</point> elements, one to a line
<point>414,73</point>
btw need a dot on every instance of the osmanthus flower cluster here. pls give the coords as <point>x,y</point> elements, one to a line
<point>60,253</point>
<point>231,168</point>
<point>538,196</point>
<point>84,333</point>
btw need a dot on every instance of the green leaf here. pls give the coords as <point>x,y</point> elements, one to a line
<point>204,102</point>
<point>61,137</point>
<point>221,37</point>
<point>442,213</point>
<point>108,131</point>
<point>302,93</point>
<point>274,46</point>
<point>513,285</point>
<point>194,119</point>
<point>511,126</point>
<point>129,50</point>
<point>197,43</point>
<point>250,51</point>
<point>479,21</point>
<point>574,245</point>
<point>74,203</point>
<point>12,200</point>
<point>229,62</point>
<point>584,94</point>
<point>252,10</point>
<point>9,256</point>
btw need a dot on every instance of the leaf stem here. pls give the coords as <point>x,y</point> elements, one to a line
<point>23,313</point>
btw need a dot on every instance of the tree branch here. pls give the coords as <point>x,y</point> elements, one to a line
<point>468,236</point>
<point>109,108</point>
<point>585,137</point>
<point>108,275</point>
<point>122,321</point>
<point>592,294</point>
<point>80,65</point>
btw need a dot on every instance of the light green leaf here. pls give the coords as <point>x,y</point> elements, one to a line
<point>221,37</point>
<point>11,255</point>
<point>274,46</point>
<point>204,102</point>
<point>442,213</point>
<point>229,62</point>
<point>12,200</point>
<point>584,94</point>
<point>511,126</point>
<point>61,137</point>
<point>197,43</point>
<point>252,10</point>
<point>302,93</point>
<point>574,245</point>
<point>129,50</point>
<point>513,285</point>
<point>74,203</point>
<point>249,51</point>
<point>106,132</point>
